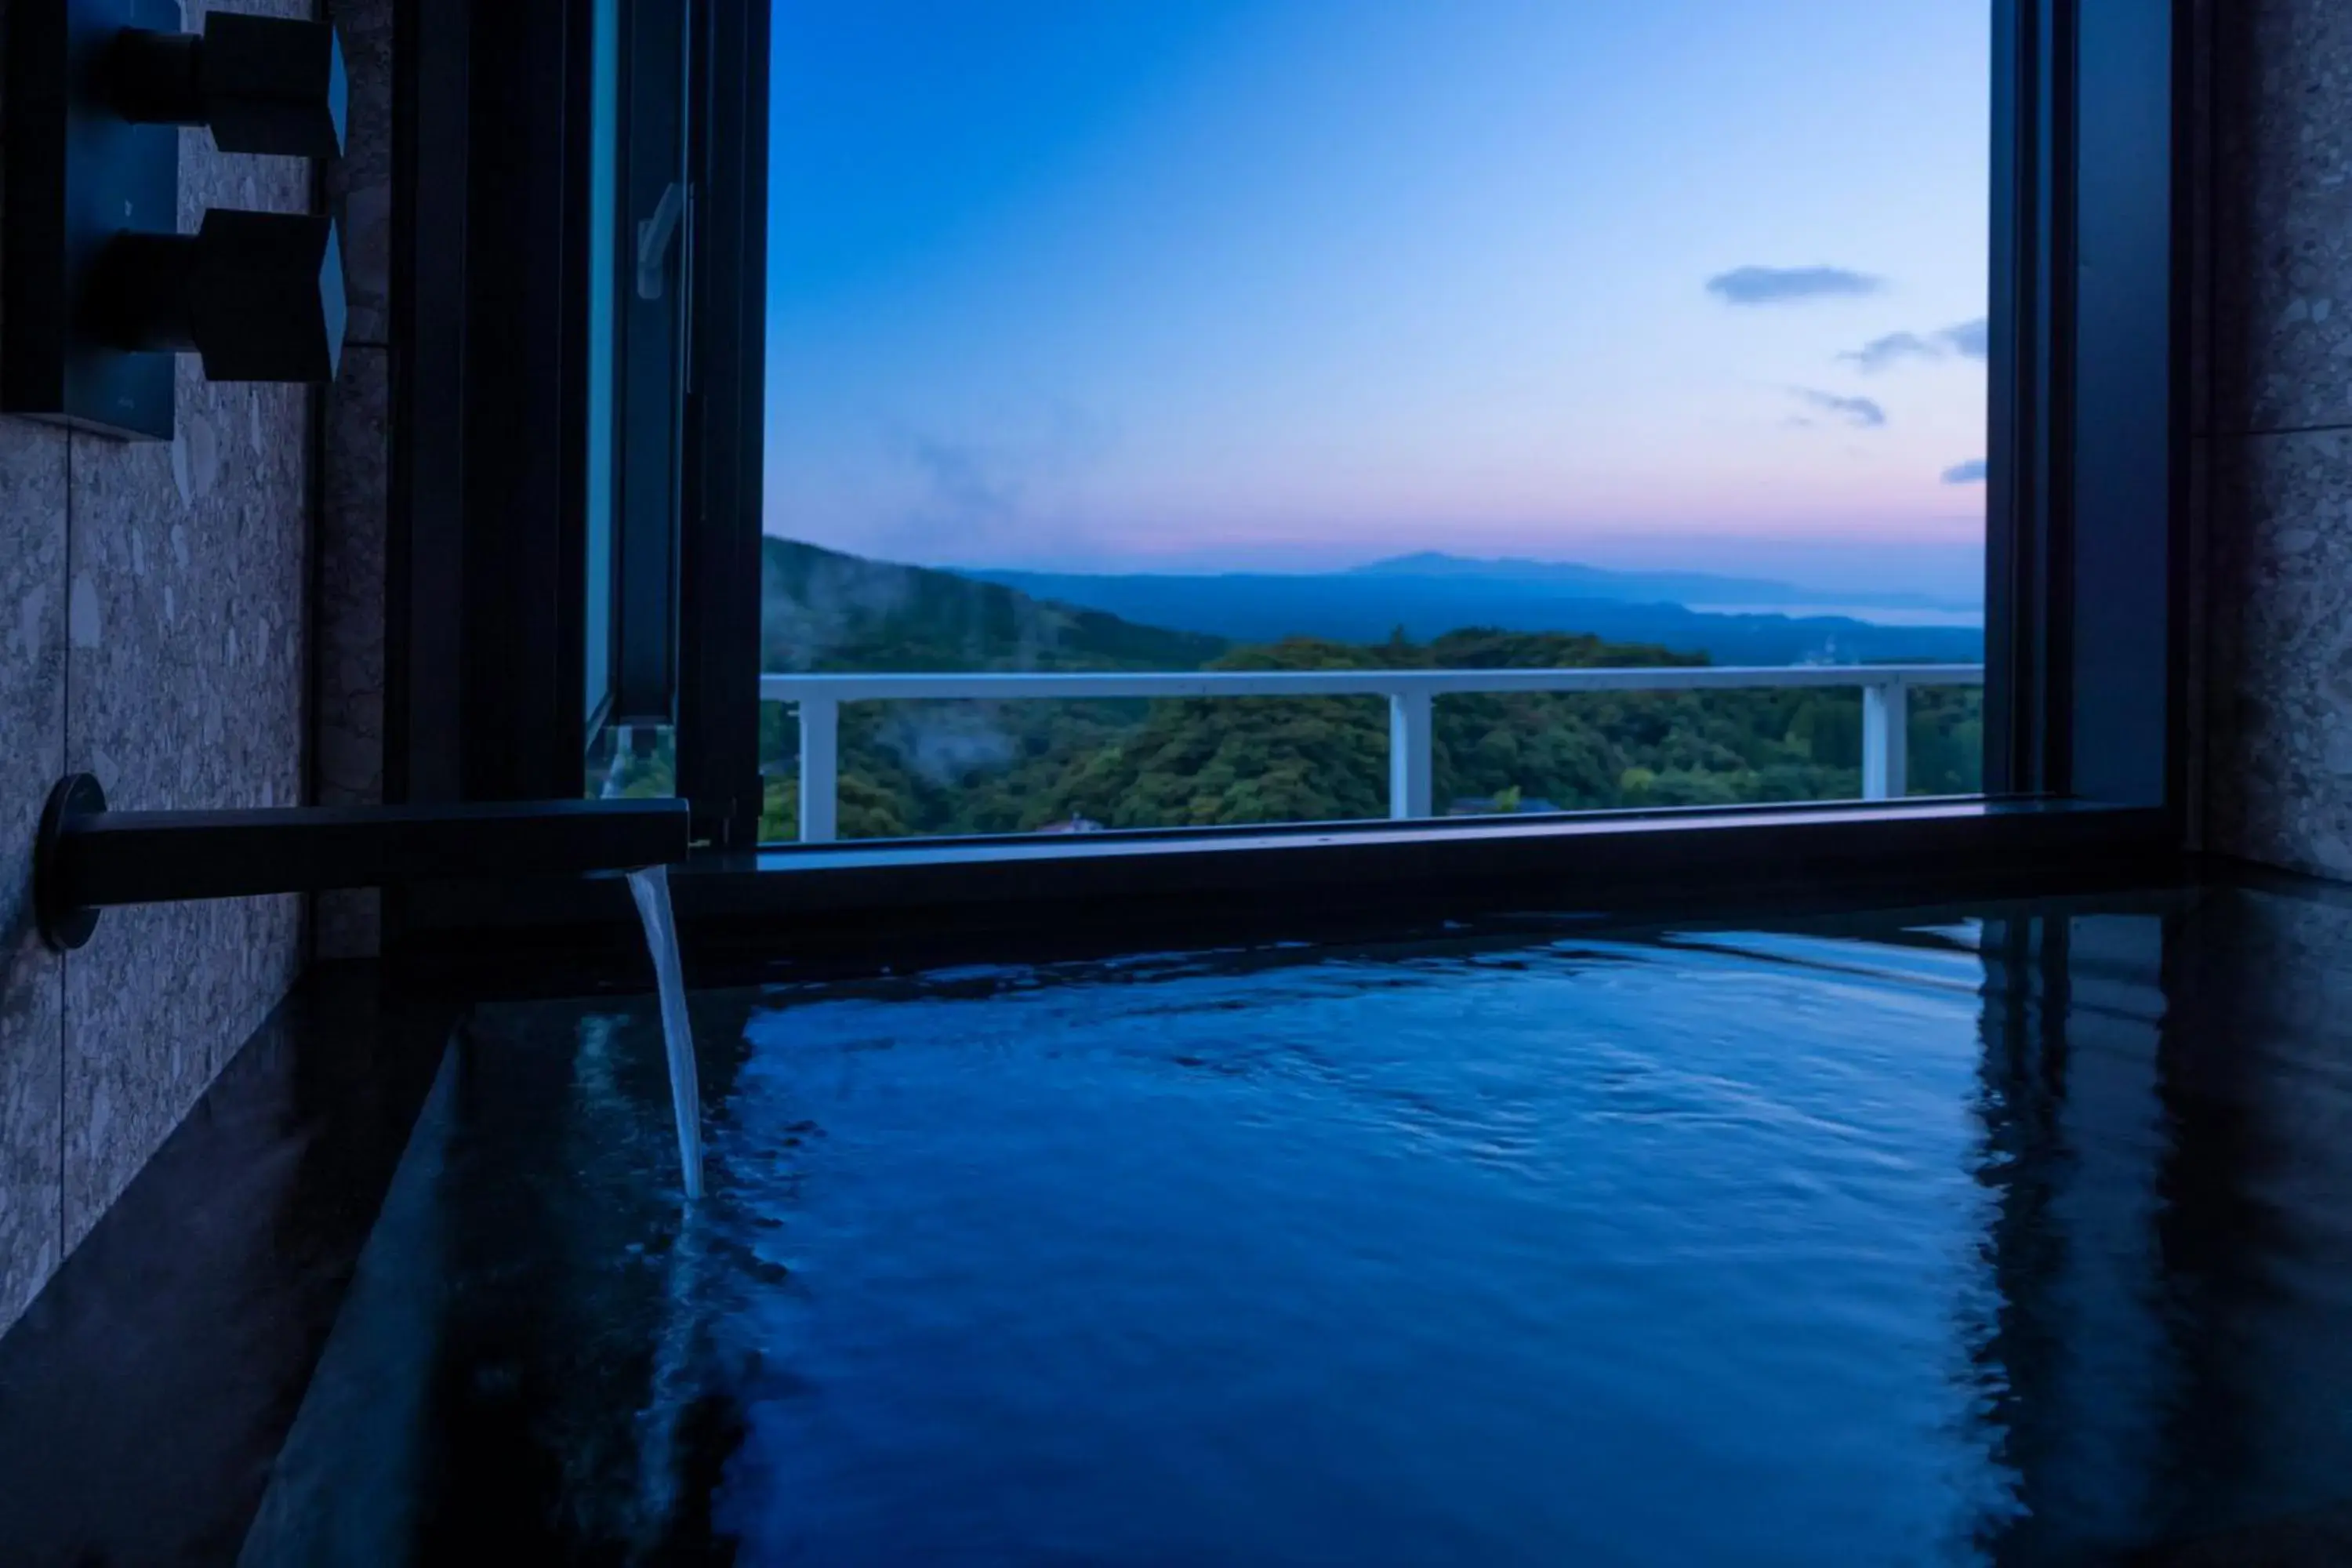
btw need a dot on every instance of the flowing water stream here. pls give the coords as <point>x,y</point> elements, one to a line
<point>650,887</point>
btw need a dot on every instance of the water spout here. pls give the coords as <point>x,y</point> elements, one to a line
<point>650,887</point>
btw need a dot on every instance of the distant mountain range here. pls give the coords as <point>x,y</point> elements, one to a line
<point>1427,597</point>
<point>826,609</point>
<point>1684,588</point>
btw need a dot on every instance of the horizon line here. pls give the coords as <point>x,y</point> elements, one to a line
<point>1160,567</point>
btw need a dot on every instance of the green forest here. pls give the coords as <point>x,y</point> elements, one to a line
<point>912,769</point>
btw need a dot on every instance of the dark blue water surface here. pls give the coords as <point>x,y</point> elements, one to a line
<point>2017,1237</point>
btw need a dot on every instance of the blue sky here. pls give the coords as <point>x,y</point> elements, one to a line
<point>1124,284</point>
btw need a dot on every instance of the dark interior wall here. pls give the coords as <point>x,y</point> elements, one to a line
<point>154,630</point>
<point>2271,431</point>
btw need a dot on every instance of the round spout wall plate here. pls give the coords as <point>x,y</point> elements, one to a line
<point>64,925</point>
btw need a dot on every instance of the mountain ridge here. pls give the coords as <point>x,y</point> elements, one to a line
<point>827,609</point>
<point>1363,607</point>
<point>1676,587</point>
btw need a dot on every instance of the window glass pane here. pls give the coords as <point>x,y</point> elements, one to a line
<point>633,762</point>
<point>656,224</point>
<point>603,227</point>
<point>1375,362</point>
<point>639,219</point>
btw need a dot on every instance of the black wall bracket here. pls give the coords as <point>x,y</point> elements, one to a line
<point>100,288</point>
<point>88,858</point>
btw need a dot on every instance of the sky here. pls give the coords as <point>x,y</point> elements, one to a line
<point>1124,285</point>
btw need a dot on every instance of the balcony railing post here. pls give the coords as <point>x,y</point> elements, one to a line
<point>1410,749</point>
<point>820,770</point>
<point>1885,740</point>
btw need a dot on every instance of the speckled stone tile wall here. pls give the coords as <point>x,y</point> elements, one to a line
<point>157,634</point>
<point>184,686</point>
<point>2280,785</point>
<point>2282,207</point>
<point>32,718</point>
<point>347,704</point>
<point>2271,398</point>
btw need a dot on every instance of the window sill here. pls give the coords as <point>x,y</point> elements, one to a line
<point>887,903</point>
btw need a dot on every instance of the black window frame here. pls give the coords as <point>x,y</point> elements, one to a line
<point>2085,567</point>
<point>632,666</point>
<point>653,350</point>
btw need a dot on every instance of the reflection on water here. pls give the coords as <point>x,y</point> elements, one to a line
<point>2006,1235</point>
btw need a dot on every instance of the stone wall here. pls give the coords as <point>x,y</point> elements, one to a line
<point>154,630</point>
<point>2271,415</point>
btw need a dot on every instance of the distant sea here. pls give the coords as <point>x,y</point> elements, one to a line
<point>1878,614</point>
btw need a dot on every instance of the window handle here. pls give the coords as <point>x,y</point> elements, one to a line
<point>655,236</point>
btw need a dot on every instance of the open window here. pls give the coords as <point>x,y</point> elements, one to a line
<point>1187,420</point>
<point>782,220</point>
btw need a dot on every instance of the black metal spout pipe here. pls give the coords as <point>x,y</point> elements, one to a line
<point>89,858</point>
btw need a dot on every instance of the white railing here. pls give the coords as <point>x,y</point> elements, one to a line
<point>1411,694</point>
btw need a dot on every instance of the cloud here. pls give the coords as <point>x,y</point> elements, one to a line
<point>1861,413</point>
<point>1971,472</point>
<point>1787,284</point>
<point>1892,349</point>
<point>1968,339</point>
